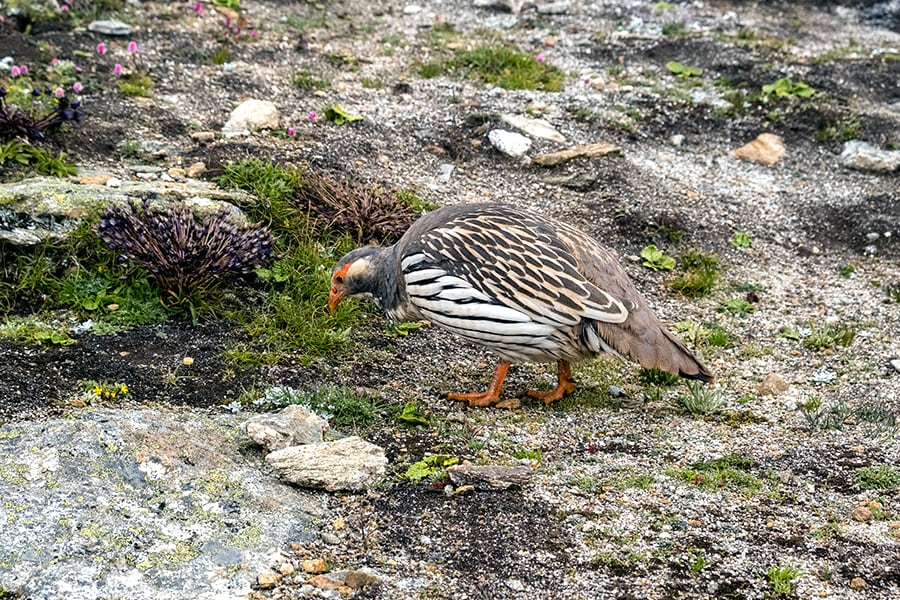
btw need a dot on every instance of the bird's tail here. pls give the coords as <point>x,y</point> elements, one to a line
<point>645,339</point>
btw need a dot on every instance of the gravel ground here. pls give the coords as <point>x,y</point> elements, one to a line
<point>620,505</point>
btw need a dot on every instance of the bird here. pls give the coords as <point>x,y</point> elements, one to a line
<point>528,287</point>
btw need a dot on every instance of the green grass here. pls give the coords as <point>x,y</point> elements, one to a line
<point>340,406</point>
<point>700,273</point>
<point>881,477</point>
<point>20,159</point>
<point>500,64</point>
<point>829,336</point>
<point>292,315</point>
<point>781,579</point>
<point>306,81</point>
<point>136,84</point>
<point>738,307</point>
<point>728,472</point>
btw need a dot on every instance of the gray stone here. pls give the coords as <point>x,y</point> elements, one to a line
<point>42,208</point>
<point>866,157</point>
<point>489,477</point>
<point>351,464</point>
<point>509,143</point>
<point>896,364</point>
<point>140,504</point>
<point>111,27</point>
<point>539,128</point>
<point>292,426</point>
<point>251,115</point>
<point>554,8</point>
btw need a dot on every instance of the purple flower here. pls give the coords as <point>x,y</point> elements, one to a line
<point>291,131</point>
<point>198,8</point>
<point>539,58</point>
<point>132,46</point>
<point>227,21</point>
<point>24,70</point>
<point>77,87</point>
<point>312,115</point>
<point>117,69</point>
<point>101,48</point>
<point>254,33</point>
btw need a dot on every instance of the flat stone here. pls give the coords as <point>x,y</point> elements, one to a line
<point>772,385</point>
<point>510,143</point>
<point>489,477</point>
<point>587,151</point>
<point>509,404</point>
<point>351,464</point>
<point>536,128</point>
<point>766,149</point>
<point>267,581</point>
<point>858,583</point>
<point>896,364</point>
<point>862,514</point>
<point>314,566</point>
<point>111,27</point>
<point>863,156</point>
<point>358,580</point>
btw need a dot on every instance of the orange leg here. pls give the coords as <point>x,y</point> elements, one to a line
<point>565,385</point>
<point>486,398</point>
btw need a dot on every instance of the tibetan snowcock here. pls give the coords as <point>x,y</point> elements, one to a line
<point>529,288</point>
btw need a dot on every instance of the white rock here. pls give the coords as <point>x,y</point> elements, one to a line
<point>251,115</point>
<point>110,27</point>
<point>509,143</point>
<point>866,157</point>
<point>896,364</point>
<point>350,463</point>
<point>539,128</point>
<point>446,171</point>
<point>292,426</point>
<point>411,9</point>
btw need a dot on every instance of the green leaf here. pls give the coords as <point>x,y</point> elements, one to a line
<point>683,70</point>
<point>339,116</point>
<point>431,466</point>
<point>405,327</point>
<point>412,415</point>
<point>656,260</point>
<point>741,240</point>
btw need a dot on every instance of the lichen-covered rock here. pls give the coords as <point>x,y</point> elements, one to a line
<point>139,504</point>
<point>292,426</point>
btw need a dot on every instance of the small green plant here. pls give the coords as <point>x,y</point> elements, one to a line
<point>306,81</point>
<point>701,399</point>
<point>658,377</point>
<point>221,55</point>
<point>842,131</point>
<point>741,239</point>
<point>21,158</point>
<point>339,116</point>
<point>727,472</point>
<point>683,71</point>
<point>104,390</point>
<point>34,332</point>
<point>881,477</point>
<point>529,453</point>
<point>500,64</point>
<point>433,467</point>
<point>710,334</point>
<point>340,406</point>
<point>781,579</point>
<point>653,258</point>
<point>847,270</point>
<point>696,562</point>
<point>738,307</point>
<point>829,336</point>
<point>136,84</point>
<point>412,415</point>
<point>892,291</point>
<point>787,88</point>
<point>700,273</point>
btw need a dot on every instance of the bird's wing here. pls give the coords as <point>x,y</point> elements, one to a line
<point>496,265</point>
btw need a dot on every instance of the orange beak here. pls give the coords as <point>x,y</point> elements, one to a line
<point>334,298</point>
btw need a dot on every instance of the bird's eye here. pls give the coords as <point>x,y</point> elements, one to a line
<point>339,279</point>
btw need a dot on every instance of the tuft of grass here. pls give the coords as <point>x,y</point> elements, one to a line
<point>136,84</point>
<point>847,270</point>
<point>699,275</point>
<point>701,399</point>
<point>727,472</point>
<point>658,378</point>
<point>781,579</point>
<point>881,477</point>
<point>21,159</point>
<point>892,291</point>
<point>306,81</point>
<point>829,336</point>
<point>842,131</point>
<point>705,333</point>
<point>500,64</point>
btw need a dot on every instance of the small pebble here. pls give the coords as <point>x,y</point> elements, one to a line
<point>896,364</point>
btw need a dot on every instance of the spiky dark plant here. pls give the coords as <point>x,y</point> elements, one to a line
<point>16,123</point>
<point>185,253</point>
<point>366,213</point>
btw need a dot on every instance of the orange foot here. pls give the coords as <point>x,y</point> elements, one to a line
<point>491,395</point>
<point>565,385</point>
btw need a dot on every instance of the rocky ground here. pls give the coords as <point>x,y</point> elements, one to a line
<point>632,495</point>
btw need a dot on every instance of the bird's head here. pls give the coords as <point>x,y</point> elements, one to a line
<point>357,274</point>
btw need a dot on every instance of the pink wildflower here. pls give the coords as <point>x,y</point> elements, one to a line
<point>254,33</point>
<point>101,48</point>
<point>54,62</point>
<point>198,8</point>
<point>227,21</point>
<point>24,70</point>
<point>291,131</point>
<point>312,115</point>
<point>77,87</point>
<point>59,92</point>
<point>63,8</point>
<point>237,31</point>
<point>132,47</point>
<point>15,71</point>
<point>539,58</point>
<point>117,69</point>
